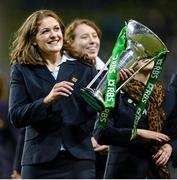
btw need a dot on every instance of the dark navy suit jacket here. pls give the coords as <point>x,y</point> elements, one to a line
<point>132,158</point>
<point>69,121</point>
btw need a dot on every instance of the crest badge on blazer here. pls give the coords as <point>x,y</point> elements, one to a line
<point>74,79</point>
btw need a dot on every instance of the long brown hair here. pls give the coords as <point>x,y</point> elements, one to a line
<point>70,36</point>
<point>22,49</point>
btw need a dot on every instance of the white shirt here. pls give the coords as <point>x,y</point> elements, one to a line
<point>57,68</point>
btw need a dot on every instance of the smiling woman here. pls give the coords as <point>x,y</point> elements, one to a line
<point>83,37</point>
<point>49,36</point>
<point>45,98</point>
<point>24,48</point>
<point>49,39</point>
<point>86,40</point>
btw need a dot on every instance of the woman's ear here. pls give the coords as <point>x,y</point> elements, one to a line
<point>34,43</point>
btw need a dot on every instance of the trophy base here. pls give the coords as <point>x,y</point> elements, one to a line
<point>92,99</point>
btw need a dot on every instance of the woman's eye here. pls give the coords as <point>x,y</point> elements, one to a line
<point>57,28</point>
<point>44,31</point>
<point>83,37</point>
<point>94,35</point>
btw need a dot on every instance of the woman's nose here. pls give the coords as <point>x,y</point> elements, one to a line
<point>91,39</point>
<point>53,34</point>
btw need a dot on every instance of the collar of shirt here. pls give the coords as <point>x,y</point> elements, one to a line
<point>57,68</point>
<point>65,58</point>
<point>100,64</point>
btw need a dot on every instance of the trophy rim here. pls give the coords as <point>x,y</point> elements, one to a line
<point>165,47</point>
<point>92,99</point>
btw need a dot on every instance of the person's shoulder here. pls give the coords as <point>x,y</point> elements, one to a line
<point>18,65</point>
<point>24,66</point>
<point>76,61</point>
<point>85,66</point>
<point>80,63</point>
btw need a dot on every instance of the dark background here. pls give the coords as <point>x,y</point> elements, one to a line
<point>110,15</point>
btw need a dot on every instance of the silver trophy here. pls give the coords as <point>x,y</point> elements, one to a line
<point>142,43</point>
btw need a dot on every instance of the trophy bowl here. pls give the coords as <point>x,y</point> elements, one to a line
<point>139,33</point>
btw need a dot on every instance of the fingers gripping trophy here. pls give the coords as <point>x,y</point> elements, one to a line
<point>135,42</point>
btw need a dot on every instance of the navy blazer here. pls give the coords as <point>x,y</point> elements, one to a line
<point>69,121</point>
<point>132,158</point>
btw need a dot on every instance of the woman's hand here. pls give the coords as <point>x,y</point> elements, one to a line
<point>16,175</point>
<point>63,88</point>
<point>125,74</point>
<point>152,135</point>
<point>97,147</point>
<point>163,154</point>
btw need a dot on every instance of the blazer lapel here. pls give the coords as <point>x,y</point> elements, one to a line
<point>43,73</point>
<point>64,74</point>
<point>66,71</point>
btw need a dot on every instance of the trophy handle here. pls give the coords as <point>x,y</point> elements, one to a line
<point>98,74</point>
<point>136,72</point>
